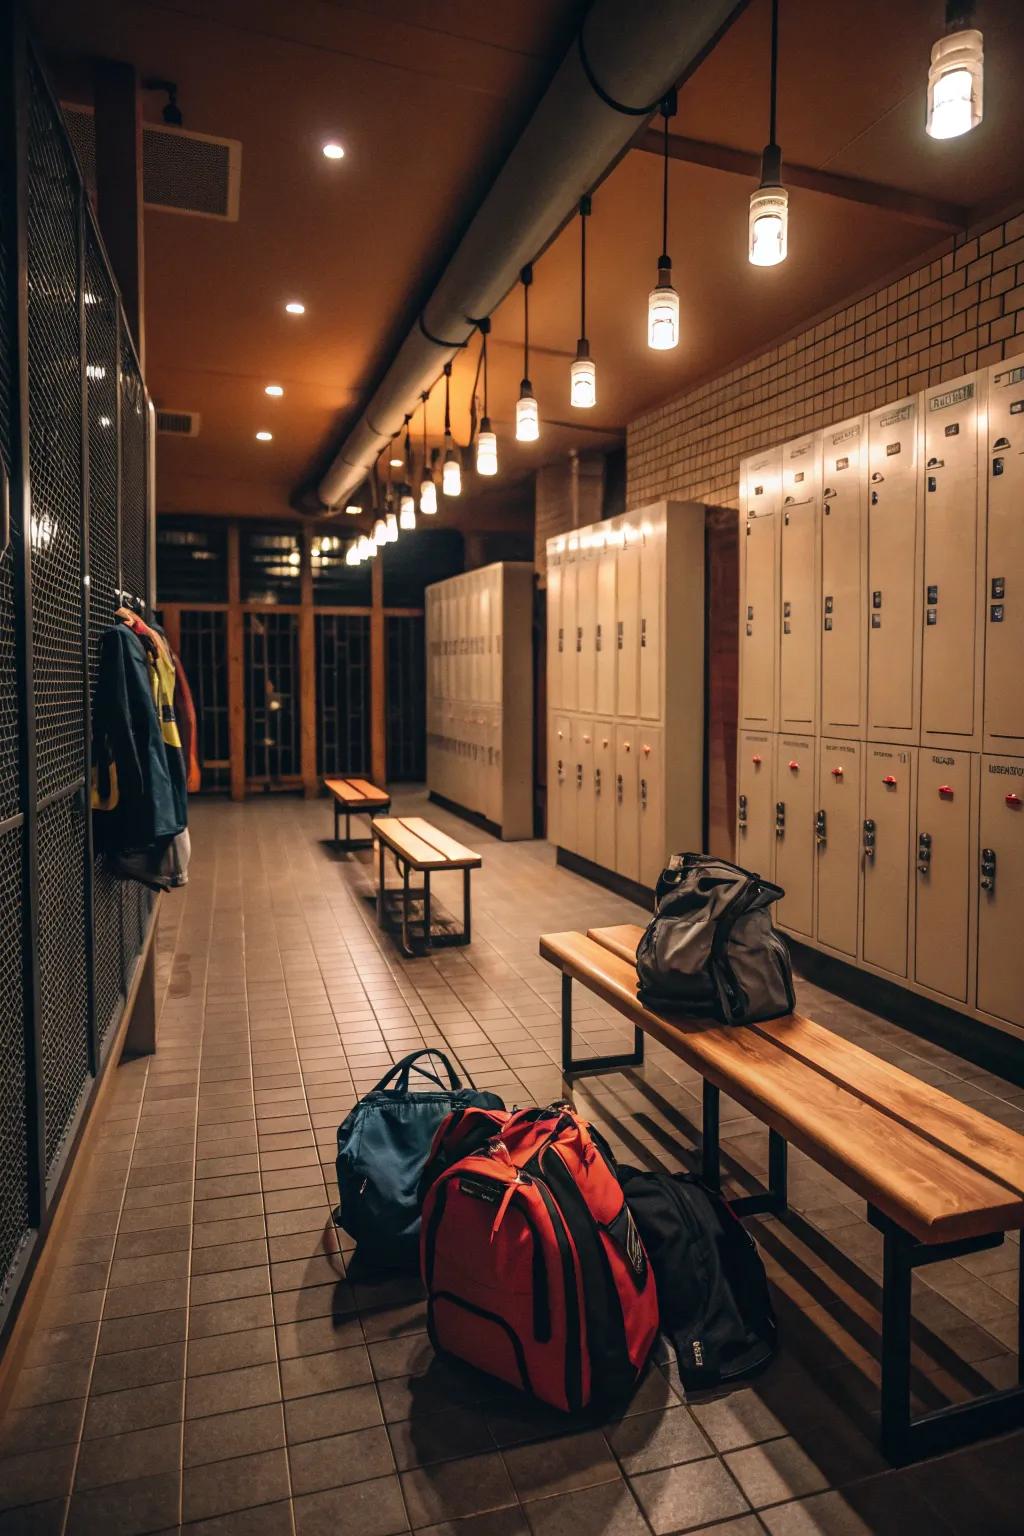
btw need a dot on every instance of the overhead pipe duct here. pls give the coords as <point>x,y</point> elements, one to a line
<point>635,53</point>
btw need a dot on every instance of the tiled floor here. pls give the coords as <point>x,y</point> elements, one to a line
<point>202,1363</point>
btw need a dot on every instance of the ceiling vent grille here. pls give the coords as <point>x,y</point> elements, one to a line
<point>182,172</point>
<point>178,423</point>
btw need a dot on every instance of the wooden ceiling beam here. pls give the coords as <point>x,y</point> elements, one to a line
<point>909,206</point>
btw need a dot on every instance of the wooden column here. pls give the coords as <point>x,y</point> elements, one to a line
<point>307,669</point>
<point>119,185</point>
<point>172,625</point>
<point>236,669</point>
<point>378,678</point>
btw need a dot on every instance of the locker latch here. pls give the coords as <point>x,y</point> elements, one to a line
<point>869,838</point>
<point>597,639</point>
<point>945,791</point>
<point>579,775</point>
<point>643,634</point>
<point>820,835</point>
<point>1013,801</point>
<point>998,587</point>
<point>579,637</point>
<point>561,640</point>
<point>597,781</point>
<point>780,818</point>
<point>618,787</point>
<point>643,794</point>
<point>619,629</point>
<point>924,852</point>
<point>837,771</point>
<point>741,812</point>
<point>988,869</point>
<point>889,781</point>
<point>561,770</point>
<point>757,759</point>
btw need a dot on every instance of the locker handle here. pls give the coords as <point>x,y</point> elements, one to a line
<point>579,775</point>
<point>646,751</point>
<point>829,493</point>
<point>1013,800</point>
<point>877,478</point>
<point>1000,444</point>
<point>643,793</point>
<point>889,781</point>
<point>794,766</point>
<point>988,869</point>
<point>837,772</point>
<point>946,791</point>
<point>618,787</point>
<point>597,780</point>
<point>936,464</point>
<point>757,760</point>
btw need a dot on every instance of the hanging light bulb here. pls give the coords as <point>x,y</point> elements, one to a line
<point>486,441</point>
<point>582,371</point>
<point>406,508</point>
<point>380,532</point>
<point>663,301</point>
<point>353,555</point>
<point>368,546</point>
<point>768,222</point>
<point>527,414</point>
<point>956,75</point>
<point>451,473</point>
<point>391,528</point>
<point>428,490</point>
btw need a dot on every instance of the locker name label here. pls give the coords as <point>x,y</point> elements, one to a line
<point>844,437</point>
<point>952,397</point>
<point>1005,768</point>
<point>891,449</point>
<point>892,417</point>
<point>945,762</point>
<point>1011,376</point>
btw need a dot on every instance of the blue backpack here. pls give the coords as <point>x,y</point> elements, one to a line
<point>383,1145</point>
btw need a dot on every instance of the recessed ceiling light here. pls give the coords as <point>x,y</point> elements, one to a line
<point>333,151</point>
<point>396,463</point>
<point>264,437</point>
<point>274,389</point>
<point>295,308</point>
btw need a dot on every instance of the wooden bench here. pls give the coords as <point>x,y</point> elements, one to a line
<point>941,1180</point>
<point>359,797</point>
<point>418,845</point>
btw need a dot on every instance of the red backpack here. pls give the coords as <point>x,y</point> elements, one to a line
<point>533,1266</point>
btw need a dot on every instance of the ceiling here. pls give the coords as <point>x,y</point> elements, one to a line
<point>427,100</point>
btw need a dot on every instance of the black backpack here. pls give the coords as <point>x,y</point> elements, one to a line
<point>711,949</point>
<point>712,1288</point>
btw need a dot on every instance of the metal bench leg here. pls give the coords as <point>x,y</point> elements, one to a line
<point>710,1154</point>
<point>348,826</point>
<point>407,948</point>
<point>778,1170</point>
<point>336,840</point>
<point>584,1066</point>
<point>380,884</point>
<point>896,1272</point>
<point>426,908</point>
<point>467,912</point>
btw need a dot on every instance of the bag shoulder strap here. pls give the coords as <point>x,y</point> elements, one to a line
<point>401,1070</point>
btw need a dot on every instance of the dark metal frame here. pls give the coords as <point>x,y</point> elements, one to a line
<point>411,893</point>
<point>347,843</point>
<point>586,1066</point>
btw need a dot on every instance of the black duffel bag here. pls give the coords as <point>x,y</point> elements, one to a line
<point>711,950</point>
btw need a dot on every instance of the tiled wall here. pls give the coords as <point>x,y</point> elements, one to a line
<point>568,494</point>
<point>961,311</point>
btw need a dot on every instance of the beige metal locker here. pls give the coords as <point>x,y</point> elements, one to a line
<point>886,849</point>
<point>895,495</point>
<point>583,786</point>
<point>943,879</point>
<point>627,818</point>
<point>760,500</point>
<point>604,794</point>
<point>561,829</point>
<point>837,838</point>
<point>604,638</point>
<point>794,831</point>
<point>843,572</point>
<point>798,644</point>
<point>651,796</point>
<point>755,813</point>
<point>1001,889</point>
<point>555,631</point>
<point>586,627</point>
<point>954,531</point>
<point>627,624</point>
<point>652,578</point>
<point>570,625</point>
<point>1004,611</point>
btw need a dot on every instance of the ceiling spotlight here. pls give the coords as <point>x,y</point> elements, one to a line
<point>295,308</point>
<point>333,151</point>
<point>353,509</point>
<point>583,372</point>
<point>527,415</point>
<point>956,75</point>
<point>768,223</point>
<point>171,113</point>
<point>264,437</point>
<point>274,390</point>
<point>663,300</point>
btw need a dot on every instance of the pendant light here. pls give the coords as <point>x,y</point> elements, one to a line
<point>428,490</point>
<point>527,416</point>
<point>451,474</point>
<point>353,555</point>
<point>486,442</point>
<point>368,546</point>
<point>406,500</point>
<point>390,528</point>
<point>956,75</point>
<point>768,225</point>
<point>380,533</point>
<point>582,373</point>
<point>663,301</point>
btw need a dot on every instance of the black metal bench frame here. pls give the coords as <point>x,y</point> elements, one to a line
<point>348,843</point>
<point>412,893</point>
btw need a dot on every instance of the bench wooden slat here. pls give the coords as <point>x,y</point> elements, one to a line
<point>923,1188</point>
<point>370,792</point>
<point>976,1138</point>
<point>392,831</point>
<point>356,793</point>
<point>455,852</point>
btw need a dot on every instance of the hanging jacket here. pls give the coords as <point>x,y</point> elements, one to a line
<point>185,713</point>
<point>163,683</point>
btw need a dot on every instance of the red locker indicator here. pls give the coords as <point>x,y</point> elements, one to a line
<point>1013,800</point>
<point>794,766</point>
<point>946,791</point>
<point>889,781</point>
<point>837,772</point>
<point>756,760</point>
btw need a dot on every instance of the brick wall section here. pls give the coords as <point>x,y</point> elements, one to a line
<point>961,310</point>
<point>567,494</point>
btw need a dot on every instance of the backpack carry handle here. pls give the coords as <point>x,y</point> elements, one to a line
<point>401,1070</point>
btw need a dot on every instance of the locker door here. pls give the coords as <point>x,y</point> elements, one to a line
<point>755,813</point>
<point>837,836</point>
<point>652,567</point>
<point>474,603</point>
<point>583,786</point>
<point>1001,879</point>
<point>794,831</point>
<point>943,879</point>
<point>651,796</point>
<point>627,625</point>
<point>760,499</point>
<point>895,491</point>
<point>951,564</point>
<point>586,624</point>
<point>627,816</point>
<point>556,634</point>
<point>1004,629</point>
<point>488,616</point>
<point>570,628</point>
<point>886,856</point>
<point>604,794</point>
<point>798,647</point>
<point>562,832</point>
<point>843,560</point>
<point>604,639</point>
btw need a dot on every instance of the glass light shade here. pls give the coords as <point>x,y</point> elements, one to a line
<point>380,532</point>
<point>527,415</point>
<point>582,379</point>
<point>768,226</point>
<point>353,554</point>
<point>391,529</point>
<point>407,512</point>
<point>956,84</point>
<point>486,449</point>
<point>367,546</point>
<point>428,496</point>
<point>451,474</point>
<point>663,317</point>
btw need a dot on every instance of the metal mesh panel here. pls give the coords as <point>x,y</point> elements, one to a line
<point>134,492</point>
<point>204,657</point>
<point>55,446</point>
<point>9,787</point>
<point>61,946</point>
<point>406,698</point>
<point>342,693</point>
<point>271,697</point>
<point>14,1214</point>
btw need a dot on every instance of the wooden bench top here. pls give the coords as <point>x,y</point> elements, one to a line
<point>937,1167</point>
<point>357,792</point>
<point>422,845</point>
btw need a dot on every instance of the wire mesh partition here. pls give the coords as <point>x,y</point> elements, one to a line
<point>272,698</point>
<point>74,447</point>
<point>342,693</point>
<point>406,697</point>
<point>204,657</point>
